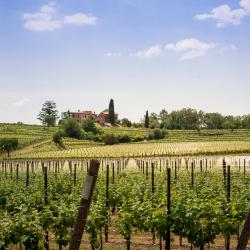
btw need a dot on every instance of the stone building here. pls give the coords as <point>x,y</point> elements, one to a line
<point>80,116</point>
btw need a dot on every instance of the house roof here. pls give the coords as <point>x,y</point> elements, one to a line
<point>83,112</point>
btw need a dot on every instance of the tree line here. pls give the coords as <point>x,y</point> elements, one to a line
<point>192,119</point>
<point>183,119</point>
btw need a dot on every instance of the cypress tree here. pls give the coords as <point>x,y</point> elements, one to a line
<point>146,123</point>
<point>111,112</point>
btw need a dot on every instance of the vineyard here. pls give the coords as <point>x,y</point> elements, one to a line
<point>88,150</point>
<point>26,134</point>
<point>202,200</point>
<point>178,193</point>
<point>35,142</point>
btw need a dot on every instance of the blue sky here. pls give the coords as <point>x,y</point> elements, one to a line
<point>145,54</point>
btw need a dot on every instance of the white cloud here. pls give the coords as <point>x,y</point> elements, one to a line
<point>80,19</point>
<point>20,103</point>
<point>230,47</point>
<point>42,20</point>
<point>190,48</point>
<point>48,8</point>
<point>245,4</point>
<point>224,15</point>
<point>149,53</point>
<point>113,54</point>
<point>46,19</point>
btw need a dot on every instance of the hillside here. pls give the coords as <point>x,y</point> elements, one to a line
<point>36,142</point>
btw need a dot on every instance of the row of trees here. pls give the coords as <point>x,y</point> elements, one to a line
<point>191,119</point>
<point>185,119</point>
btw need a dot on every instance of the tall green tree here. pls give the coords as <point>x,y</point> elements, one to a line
<point>214,121</point>
<point>48,114</point>
<point>111,116</point>
<point>146,121</point>
<point>246,122</point>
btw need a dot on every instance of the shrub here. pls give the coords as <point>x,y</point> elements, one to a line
<point>124,138</point>
<point>72,129</point>
<point>138,138</point>
<point>125,122</point>
<point>57,139</point>
<point>93,137</point>
<point>157,134</point>
<point>110,139</point>
<point>150,136</point>
<point>89,126</point>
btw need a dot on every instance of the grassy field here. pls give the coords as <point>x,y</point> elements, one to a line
<point>36,142</point>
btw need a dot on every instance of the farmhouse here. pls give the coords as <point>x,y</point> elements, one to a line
<point>102,118</point>
<point>80,116</point>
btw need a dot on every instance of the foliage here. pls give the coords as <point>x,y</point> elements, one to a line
<point>88,125</point>
<point>72,128</point>
<point>64,116</point>
<point>49,114</point>
<point>139,138</point>
<point>126,122</point>
<point>110,139</point>
<point>8,144</point>
<point>199,212</point>
<point>57,139</point>
<point>146,120</point>
<point>111,115</point>
<point>124,138</point>
<point>157,134</point>
<point>214,121</point>
<point>192,119</point>
<point>154,121</point>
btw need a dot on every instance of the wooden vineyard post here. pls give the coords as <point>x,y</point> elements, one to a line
<point>75,174</point>
<point>86,198</point>
<point>168,240</point>
<point>5,169</point>
<point>245,234</point>
<point>107,203</point>
<point>147,170</point>
<point>70,168</point>
<point>27,174</point>
<point>113,173</point>
<point>175,172</point>
<point>228,184</point>
<point>192,174</point>
<point>153,177</point>
<point>46,244</point>
<point>224,173</point>
<point>153,191</point>
<point>228,201</point>
<point>17,172</point>
<point>11,170</point>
